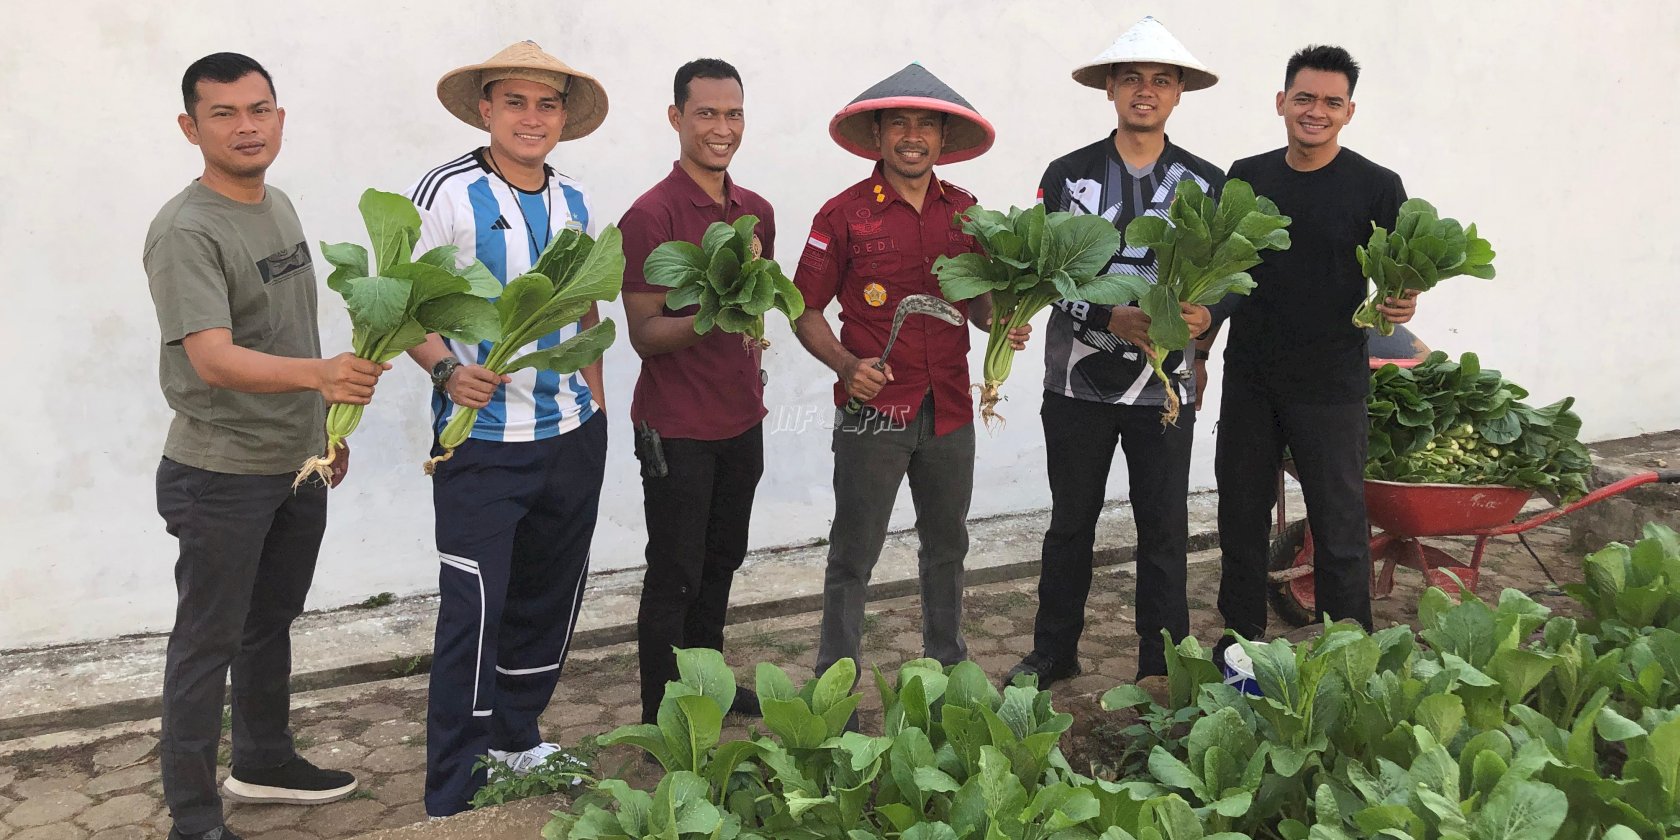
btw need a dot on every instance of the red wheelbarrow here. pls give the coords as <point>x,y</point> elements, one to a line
<point>1405,512</point>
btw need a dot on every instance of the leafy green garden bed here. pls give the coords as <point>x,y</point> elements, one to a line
<point>1488,720</point>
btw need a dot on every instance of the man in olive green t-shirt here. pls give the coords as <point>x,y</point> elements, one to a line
<point>240,365</point>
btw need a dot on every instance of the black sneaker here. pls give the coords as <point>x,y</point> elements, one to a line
<point>1046,669</point>
<point>220,832</point>
<point>746,703</point>
<point>297,782</point>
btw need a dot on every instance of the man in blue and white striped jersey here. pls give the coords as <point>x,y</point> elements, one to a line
<point>516,504</point>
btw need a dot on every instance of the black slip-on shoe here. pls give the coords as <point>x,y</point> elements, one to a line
<point>297,782</point>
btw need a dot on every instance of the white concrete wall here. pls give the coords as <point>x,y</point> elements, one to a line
<point>1552,125</point>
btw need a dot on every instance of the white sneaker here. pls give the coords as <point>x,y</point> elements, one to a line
<point>523,762</point>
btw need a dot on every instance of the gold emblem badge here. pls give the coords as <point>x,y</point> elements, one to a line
<point>875,294</point>
<point>757,247</point>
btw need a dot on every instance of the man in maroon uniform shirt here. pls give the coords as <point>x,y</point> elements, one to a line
<point>870,247</point>
<point>699,402</point>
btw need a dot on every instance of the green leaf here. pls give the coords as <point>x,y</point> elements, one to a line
<point>645,735</point>
<point>683,297</point>
<point>718,235</point>
<point>460,317</point>
<point>521,301</point>
<point>967,686</point>
<point>571,355</point>
<point>963,276</point>
<point>1125,697</point>
<point>378,304</point>
<point>788,297</point>
<point>1611,726</point>
<point>1525,810</point>
<point>393,226</point>
<point>676,264</point>
<point>794,723</point>
<point>724,271</point>
<point>410,334</point>
<point>1167,330</point>
<point>443,256</point>
<point>1080,246</point>
<point>1146,231</point>
<point>348,260</point>
<point>1442,715</point>
<point>834,685</point>
<point>743,237</point>
<point>1115,289</point>
<point>772,683</point>
<point>1169,771</point>
<point>429,282</point>
<point>601,274</point>
<point>704,670</point>
<point>929,831</point>
<point>480,282</point>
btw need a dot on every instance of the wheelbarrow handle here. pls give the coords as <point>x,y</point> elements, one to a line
<point>1593,498</point>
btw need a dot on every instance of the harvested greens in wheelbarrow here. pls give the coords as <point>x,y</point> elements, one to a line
<point>1447,422</point>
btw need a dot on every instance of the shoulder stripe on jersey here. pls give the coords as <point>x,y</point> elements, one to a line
<point>429,196</point>
<point>432,184</point>
<point>427,179</point>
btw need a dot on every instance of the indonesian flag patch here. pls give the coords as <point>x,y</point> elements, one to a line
<point>815,255</point>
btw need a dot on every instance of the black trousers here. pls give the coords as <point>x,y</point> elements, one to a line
<point>514,526</point>
<point>1079,440</point>
<point>697,522</point>
<point>247,556</point>
<point>1328,443</point>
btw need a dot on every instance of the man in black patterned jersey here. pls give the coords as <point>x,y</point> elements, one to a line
<point>1099,389</point>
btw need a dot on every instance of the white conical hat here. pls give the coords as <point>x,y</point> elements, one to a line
<point>1146,42</point>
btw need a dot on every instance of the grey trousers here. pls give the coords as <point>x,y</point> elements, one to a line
<point>247,556</point>
<point>872,457</point>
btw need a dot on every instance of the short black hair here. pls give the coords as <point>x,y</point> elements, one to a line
<point>224,68</point>
<point>701,68</point>
<point>1322,57</point>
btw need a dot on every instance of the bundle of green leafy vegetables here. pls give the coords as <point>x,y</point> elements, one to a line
<point>1446,422</point>
<point>734,286</point>
<point>1423,250</point>
<point>1032,259</point>
<point>1203,251</point>
<point>571,275</point>
<point>394,302</point>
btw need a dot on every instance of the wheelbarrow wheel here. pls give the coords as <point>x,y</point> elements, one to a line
<point>1292,599</point>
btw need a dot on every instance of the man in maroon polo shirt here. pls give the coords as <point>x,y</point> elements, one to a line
<point>699,402</point>
<point>870,247</point>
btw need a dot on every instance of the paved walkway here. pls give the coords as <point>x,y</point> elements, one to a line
<point>104,785</point>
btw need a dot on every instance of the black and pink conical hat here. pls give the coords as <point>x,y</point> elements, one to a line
<point>967,134</point>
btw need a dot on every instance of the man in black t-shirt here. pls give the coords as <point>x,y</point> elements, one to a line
<point>1296,373</point>
<point>1099,389</point>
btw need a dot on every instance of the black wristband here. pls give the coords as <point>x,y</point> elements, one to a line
<point>1201,355</point>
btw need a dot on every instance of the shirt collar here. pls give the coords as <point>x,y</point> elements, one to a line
<point>686,185</point>
<point>878,185</point>
<point>1168,151</point>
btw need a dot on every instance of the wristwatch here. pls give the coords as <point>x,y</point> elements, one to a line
<point>1201,355</point>
<point>441,372</point>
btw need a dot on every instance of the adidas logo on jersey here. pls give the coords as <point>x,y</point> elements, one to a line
<point>501,223</point>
